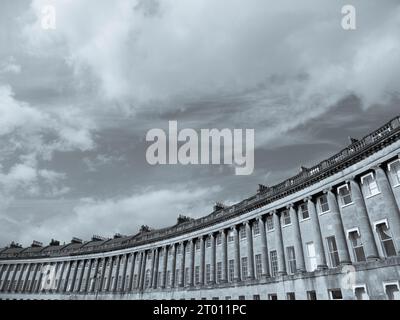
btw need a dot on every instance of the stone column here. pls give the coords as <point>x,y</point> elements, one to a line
<point>88,278</point>
<point>132,271</point>
<point>213,258</point>
<point>264,247</point>
<point>33,288</point>
<point>117,267</point>
<point>182,266</point>
<point>143,270</point>
<point>21,273</point>
<point>110,271</point>
<point>317,236</point>
<point>124,272</point>
<point>74,276</point>
<point>94,279</point>
<point>202,261</point>
<point>336,221</point>
<point>370,249</point>
<point>250,251</point>
<point>14,273</point>
<point>139,275</point>
<point>61,273</point>
<point>81,276</point>
<point>298,243</point>
<point>236,273</point>
<point>173,267</point>
<point>279,244</point>
<point>192,262</point>
<point>28,272</point>
<point>69,266</point>
<point>156,263</point>
<point>4,286</point>
<point>224,275</point>
<point>103,273</point>
<point>165,265</point>
<point>39,286</point>
<point>390,204</point>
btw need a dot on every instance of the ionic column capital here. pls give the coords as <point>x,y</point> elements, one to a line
<point>289,206</point>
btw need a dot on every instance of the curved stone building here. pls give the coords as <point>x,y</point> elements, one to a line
<point>330,232</point>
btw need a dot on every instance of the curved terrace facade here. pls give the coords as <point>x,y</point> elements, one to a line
<point>330,232</point>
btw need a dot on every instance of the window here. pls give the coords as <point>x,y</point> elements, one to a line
<point>333,251</point>
<point>244,268</point>
<point>358,249</point>
<point>312,257</point>
<point>335,294</point>
<point>311,295</point>
<point>230,236</point>
<point>386,239</point>
<point>231,264</point>
<point>168,280</point>
<point>186,280</point>
<point>360,292</point>
<point>345,195</point>
<point>256,297</point>
<point>304,211</point>
<point>197,245</point>
<point>394,172</point>
<point>290,296</point>
<point>179,251</point>
<point>323,203</point>
<point>291,259</point>
<point>270,223</point>
<point>256,228</point>
<point>219,271</point>
<point>228,298</point>
<point>369,185</point>
<point>208,272</point>
<point>242,232</point>
<point>197,274</point>
<point>177,271</point>
<point>272,296</point>
<point>392,290</point>
<point>258,265</point>
<point>208,242</point>
<point>274,263</point>
<point>286,218</point>
<point>219,239</point>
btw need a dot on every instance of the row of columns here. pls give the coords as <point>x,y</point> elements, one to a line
<point>95,281</point>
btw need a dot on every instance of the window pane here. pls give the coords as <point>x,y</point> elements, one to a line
<point>323,201</point>
<point>386,240</point>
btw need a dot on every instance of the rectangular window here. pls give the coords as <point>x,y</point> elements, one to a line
<point>360,293</point>
<point>369,185</point>
<point>208,272</point>
<point>345,195</point>
<point>168,280</point>
<point>177,277</point>
<point>256,297</point>
<point>179,250</point>
<point>197,274</point>
<point>270,223</point>
<point>358,248</point>
<point>231,269</point>
<point>219,271</point>
<point>286,218</point>
<point>304,211</point>
<point>290,296</point>
<point>230,236</point>
<point>197,245</point>
<point>323,203</point>
<point>272,296</point>
<point>335,294</point>
<point>244,268</point>
<point>394,172</point>
<point>242,298</point>
<point>256,228</point>
<point>386,239</point>
<point>242,232</point>
<point>312,257</point>
<point>258,265</point>
<point>274,263</point>
<point>392,291</point>
<point>208,242</point>
<point>186,282</point>
<point>291,260</point>
<point>311,295</point>
<point>333,251</point>
<point>219,239</point>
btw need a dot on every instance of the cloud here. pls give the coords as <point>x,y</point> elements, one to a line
<point>10,66</point>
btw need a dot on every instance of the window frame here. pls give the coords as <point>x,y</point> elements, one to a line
<point>302,212</point>
<point>390,283</point>
<point>384,251</point>
<point>291,260</point>
<point>333,253</point>
<point>320,204</point>
<point>366,187</point>
<point>357,231</point>
<point>397,174</point>
<point>330,291</point>
<point>269,222</point>
<point>286,219</point>
<point>358,286</point>
<point>342,204</point>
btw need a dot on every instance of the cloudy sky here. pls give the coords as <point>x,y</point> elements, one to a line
<point>76,102</point>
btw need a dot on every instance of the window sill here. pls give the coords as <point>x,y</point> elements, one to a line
<point>346,205</point>
<point>306,219</point>
<point>372,195</point>
<point>272,230</point>
<point>286,225</point>
<point>396,185</point>
<point>325,212</point>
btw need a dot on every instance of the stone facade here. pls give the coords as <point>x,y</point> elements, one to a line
<point>331,232</point>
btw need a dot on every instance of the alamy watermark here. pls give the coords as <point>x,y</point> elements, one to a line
<point>195,148</point>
